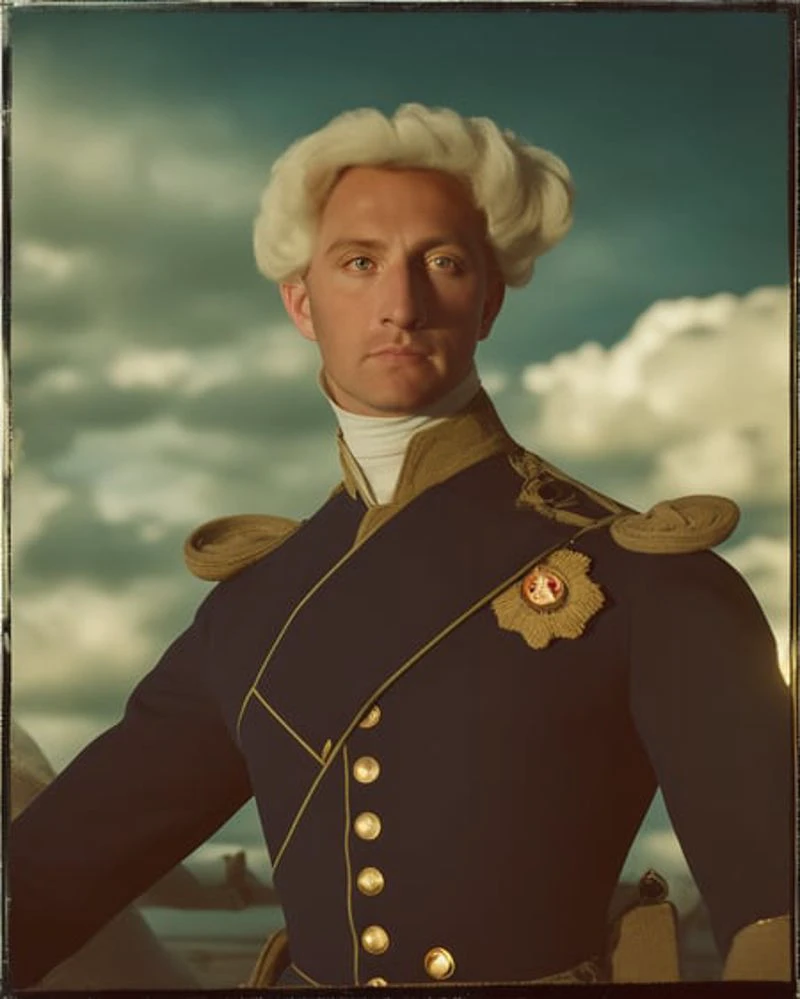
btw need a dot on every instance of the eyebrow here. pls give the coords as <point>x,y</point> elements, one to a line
<point>358,243</point>
<point>353,243</point>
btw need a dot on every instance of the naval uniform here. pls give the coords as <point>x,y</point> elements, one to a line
<point>451,751</point>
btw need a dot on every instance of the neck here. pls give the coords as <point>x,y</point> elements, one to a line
<point>379,443</point>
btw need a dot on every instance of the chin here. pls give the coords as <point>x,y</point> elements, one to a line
<point>393,396</point>
<point>408,402</point>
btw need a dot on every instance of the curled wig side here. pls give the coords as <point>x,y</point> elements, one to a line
<point>524,192</point>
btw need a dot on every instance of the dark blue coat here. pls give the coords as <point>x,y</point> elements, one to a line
<point>510,781</point>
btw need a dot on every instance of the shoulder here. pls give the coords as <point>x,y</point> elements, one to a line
<point>673,526</point>
<point>657,564</point>
<point>220,548</point>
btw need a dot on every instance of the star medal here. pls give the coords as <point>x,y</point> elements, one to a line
<point>556,599</point>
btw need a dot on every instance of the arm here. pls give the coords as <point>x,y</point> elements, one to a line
<point>132,804</point>
<point>715,717</point>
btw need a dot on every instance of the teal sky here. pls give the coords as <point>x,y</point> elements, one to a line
<point>157,383</point>
<point>674,124</point>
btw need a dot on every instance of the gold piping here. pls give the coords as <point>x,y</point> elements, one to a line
<point>298,607</point>
<point>432,456</point>
<point>288,727</point>
<point>302,974</point>
<point>376,694</point>
<point>347,864</point>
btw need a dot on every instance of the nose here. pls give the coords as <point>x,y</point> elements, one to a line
<point>403,299</point>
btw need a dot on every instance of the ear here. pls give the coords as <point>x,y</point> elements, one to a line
<point>297,303</point>
<point>495,294</point>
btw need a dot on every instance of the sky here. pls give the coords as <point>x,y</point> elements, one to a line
<point>157,383</point>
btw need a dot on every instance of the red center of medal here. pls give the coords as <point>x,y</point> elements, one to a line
<point>543,588</point>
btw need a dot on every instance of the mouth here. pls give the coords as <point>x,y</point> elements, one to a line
<point>396,351</point>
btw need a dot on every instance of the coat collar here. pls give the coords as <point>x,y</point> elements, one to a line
<point>433,455</point>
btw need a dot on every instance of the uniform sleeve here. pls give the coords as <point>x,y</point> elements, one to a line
<point>129,807</point>
<point>715,717</point>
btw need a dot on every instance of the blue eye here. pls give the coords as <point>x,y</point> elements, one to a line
<point>359,264</point>
<point>445,263</point>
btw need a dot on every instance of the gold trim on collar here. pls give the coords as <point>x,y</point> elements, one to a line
<point>433,455</point>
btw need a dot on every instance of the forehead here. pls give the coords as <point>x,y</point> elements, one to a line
<point>399,199</point>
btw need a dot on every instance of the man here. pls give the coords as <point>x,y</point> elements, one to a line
<point>455,688</point>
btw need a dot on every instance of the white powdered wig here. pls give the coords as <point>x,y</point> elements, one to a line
<point>524,192</point>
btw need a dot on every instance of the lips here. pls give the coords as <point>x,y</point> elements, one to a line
<point>398,351</point>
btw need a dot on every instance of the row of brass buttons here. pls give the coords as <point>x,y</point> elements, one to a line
<point>367,825</point>
<point>438,962</point>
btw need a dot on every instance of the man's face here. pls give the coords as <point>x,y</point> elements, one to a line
<point>400,288</point>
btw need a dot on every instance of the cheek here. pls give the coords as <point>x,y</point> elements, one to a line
<point>461,313</point>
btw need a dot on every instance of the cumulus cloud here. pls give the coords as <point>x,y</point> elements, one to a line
<point>174,157</point>
<point>698,387</point>
<point>278,353</point>
<point>765,562</point>
<point>36,499</point>
<point>54,264</point>
<point>694,398</point>
<point>78,635</point>
<point>59,735</point>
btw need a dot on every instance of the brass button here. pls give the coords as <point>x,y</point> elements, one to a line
<point>439,963</point>
<point>367,825</point>
<point>370,881</point>
<point>366,769</point>
<point>377,981</point>
<point>371,718</point>
<point>375,940</point>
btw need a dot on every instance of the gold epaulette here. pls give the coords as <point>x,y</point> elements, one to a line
<point>761,951</point>
<point>220,548</point>
<point>678,526</point>
<point>686,524</point>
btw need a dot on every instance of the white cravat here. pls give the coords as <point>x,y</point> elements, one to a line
<point>378,443</point>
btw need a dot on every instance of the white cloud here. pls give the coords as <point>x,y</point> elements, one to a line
<point>162,473</point>
<point>58,735</point>
<point>62,380</point>
<point>156,471</point>
<point>701,386</point>
<point>35,501</point>
<point>176,156</point>
<point>765,563</point>
<point>216,185</point>
<point>149,368</point>
<point>695,398</point>
<point>278,353</point>
<point>56,264</point>
<point>77,632</point>
<point>494,381</point>
<point>286,355</point>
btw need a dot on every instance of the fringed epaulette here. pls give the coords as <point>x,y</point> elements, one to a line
<point>220,548</point>
<point>678,526</point>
